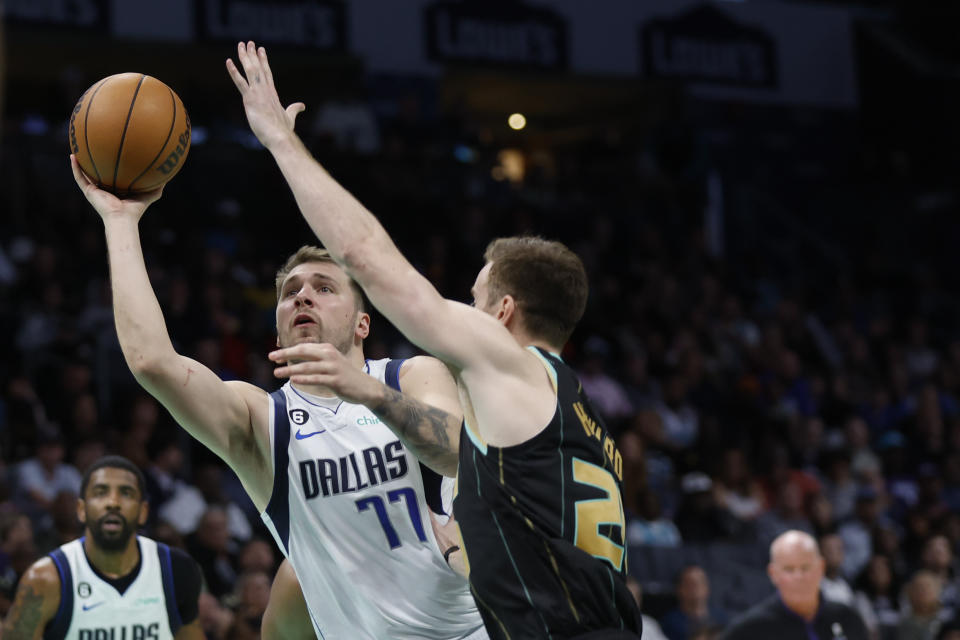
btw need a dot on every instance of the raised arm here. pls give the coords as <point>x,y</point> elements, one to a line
<point>426,416</point>
<point>36,602</point>
<point>229,418</point>
<point>357,240</point>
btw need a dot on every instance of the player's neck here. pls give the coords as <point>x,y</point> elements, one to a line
<point>529,341</point>
<point>113,564</point>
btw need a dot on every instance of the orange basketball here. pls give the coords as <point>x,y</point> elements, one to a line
<point>130,133</point>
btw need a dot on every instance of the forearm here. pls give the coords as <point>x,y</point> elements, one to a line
<point>358,242</point>
<point>139,320</point>
<point>431,433</point>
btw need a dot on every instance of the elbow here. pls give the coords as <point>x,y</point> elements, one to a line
<point>358,257</point>
<point>147,367</point>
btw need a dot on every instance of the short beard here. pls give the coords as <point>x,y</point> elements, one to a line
<point>118,542</point>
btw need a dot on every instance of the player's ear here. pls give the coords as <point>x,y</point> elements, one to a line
<point>363,325</point>
<point>144,512</point>
<point>82,511</point>
<point>507,310</point>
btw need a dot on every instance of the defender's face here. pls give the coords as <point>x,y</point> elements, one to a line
<point>481,289</point>
<point>112,507</point>
<point>318,305</point>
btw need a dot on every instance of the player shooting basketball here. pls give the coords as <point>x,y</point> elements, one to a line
<point>345,500</point>
<point>539,502</point>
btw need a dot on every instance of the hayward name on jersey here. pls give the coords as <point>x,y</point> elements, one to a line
<point>92,609</point>
<point>350,510</point>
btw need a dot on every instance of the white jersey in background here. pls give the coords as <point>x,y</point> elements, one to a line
<point>92,609</point>
<point>350,509</point>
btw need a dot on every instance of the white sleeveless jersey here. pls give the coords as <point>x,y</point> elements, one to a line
<point>350,510</point>
<point>92,609</point>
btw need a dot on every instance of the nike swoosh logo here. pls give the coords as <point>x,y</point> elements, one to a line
<point>87,607</point>
<point>303,436</point>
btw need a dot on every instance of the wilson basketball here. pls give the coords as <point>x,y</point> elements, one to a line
<point>130,133</point>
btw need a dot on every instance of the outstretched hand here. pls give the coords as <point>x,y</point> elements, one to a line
<point>322,364</point>
<point>108,205</point>
<point>268,119</point>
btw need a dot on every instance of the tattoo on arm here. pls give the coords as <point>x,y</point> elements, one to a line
<point>424,428</point>
<point>25,616</point>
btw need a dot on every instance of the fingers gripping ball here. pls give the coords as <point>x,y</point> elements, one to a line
<point>130,133</point>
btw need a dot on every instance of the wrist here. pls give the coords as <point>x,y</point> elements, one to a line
<point>284,142</point>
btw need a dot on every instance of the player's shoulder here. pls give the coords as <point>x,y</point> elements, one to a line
<point>246,390</point>
<point>417,366</point>
<point>43,577</point>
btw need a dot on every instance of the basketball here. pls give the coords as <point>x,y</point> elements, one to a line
<point>130,133</point>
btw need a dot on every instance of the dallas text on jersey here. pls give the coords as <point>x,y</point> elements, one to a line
<point>332,477</point>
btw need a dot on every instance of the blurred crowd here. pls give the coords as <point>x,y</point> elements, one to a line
<point>746,400</point>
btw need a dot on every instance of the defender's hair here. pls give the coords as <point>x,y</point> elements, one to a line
<point>546,279</point>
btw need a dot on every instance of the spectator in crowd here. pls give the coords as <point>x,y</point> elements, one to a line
<point>857,533</point>
<point>41,477</point>
<point>796,569</point>
<point>210,546</point>
<point>252,594</point>
<point>187,506</point>
<point>937,559</point>
<point>651,628</point>
<point>680,422</point>
<point>257,555</point>
<point>606,393</point>
<point>788,513</point>
<point>925,617</point>
<point>834,586</point>
<point>820,512</point>
<point>839,485</point>
<point>700,519</point>
<point>736,489</point>
<point>693,611</point>
<point>876,598</point>
<point>650,527</point>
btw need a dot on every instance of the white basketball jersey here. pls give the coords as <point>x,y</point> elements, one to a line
<point>350,511</point>
<point>92,609</point>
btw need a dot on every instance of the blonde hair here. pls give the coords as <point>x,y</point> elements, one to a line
<point>310,253</point>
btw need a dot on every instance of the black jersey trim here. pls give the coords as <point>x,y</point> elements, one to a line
<point>516,570</point>
<point>279,506</point>
<point>169,589</point>
<point>60,623</point>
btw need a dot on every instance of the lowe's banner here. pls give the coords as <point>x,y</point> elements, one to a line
<point>315,24</point>
<point>496,33</point>
<point>79,15</point>
<point>705,44</point>
<point>769,52</point>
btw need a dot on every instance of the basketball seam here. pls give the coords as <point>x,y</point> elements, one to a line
<point>86,130</point>
<point>133,100</point>
<point>173,121</point>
